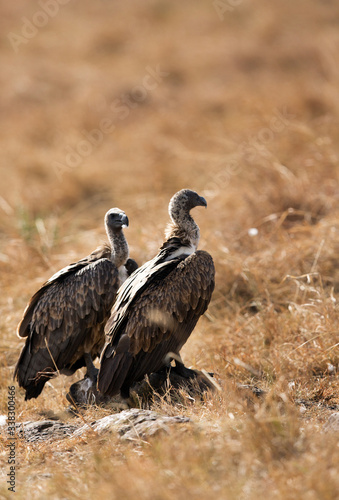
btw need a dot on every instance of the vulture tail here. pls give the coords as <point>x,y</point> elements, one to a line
<point>113,373</point>
<point>33,371</point>
<point>33,390</point>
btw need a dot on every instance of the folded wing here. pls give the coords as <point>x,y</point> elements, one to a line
<point>155,314</point>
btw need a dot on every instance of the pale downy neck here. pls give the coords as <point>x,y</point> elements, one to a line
<point>119,246</point>
<point>182,225</point>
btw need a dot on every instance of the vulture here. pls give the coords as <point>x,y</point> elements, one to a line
<point>65,319</point>
<point>159,305</point>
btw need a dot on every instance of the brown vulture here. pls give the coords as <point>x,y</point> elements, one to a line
<point>159,305</point>
<point>64,321</point>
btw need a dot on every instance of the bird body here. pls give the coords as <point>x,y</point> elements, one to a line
<point>159,305</point>
<point>64,321</point>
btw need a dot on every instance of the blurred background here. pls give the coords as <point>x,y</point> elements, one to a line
<point>121,104</point>
<point>106,103</point>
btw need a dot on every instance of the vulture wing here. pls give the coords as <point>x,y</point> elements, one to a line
<point>65,319</point>
<point>100,253</point>
<point>155,313</point>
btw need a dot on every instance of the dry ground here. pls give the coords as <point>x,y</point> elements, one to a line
<point>244,108</point>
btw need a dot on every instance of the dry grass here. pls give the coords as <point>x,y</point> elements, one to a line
<point>248,116</point>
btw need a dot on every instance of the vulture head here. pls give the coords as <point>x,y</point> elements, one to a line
<point>115,219</point>
<point>182,203</point>
<point>185,200</point>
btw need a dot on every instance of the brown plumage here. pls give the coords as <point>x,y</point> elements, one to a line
<point>159,305</point>
<point>65,319</point>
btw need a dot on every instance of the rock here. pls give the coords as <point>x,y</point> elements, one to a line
<point>134,424</point>
<point>332,424</point>
<point>130,425</point>
<point>44,429</point>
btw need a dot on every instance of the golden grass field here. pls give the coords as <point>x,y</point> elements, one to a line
<point>239,101</point>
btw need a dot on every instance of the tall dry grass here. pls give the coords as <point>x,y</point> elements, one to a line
<point>247,114</point>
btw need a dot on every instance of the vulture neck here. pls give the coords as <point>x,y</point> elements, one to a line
<point>183,226</point>
<point>119,247</point>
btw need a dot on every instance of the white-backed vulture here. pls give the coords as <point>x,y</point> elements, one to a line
<point>65,319</point>
<point>159,305</point>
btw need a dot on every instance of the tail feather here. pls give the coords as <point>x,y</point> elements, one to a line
<point>33,371</point>
<point>113,372</point>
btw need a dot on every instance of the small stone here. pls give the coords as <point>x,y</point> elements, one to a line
<point>332,424</point>
<point>253,231</point>
<point>331,368</point>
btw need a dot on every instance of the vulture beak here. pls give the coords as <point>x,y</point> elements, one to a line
<point>203,202</point>
<point>124,220</point>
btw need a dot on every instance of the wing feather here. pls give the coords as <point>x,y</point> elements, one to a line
<point>65,316</point>
<point>102,252</point>
<point>157,310</point>
<point>157,317</point>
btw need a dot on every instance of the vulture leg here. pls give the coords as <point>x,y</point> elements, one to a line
<point>92,372</point>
